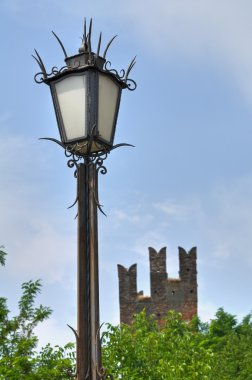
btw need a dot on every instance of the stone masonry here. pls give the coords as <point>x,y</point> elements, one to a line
<point>178,294</point>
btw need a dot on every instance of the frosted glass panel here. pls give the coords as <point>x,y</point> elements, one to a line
<point>108,95</point>
<point>71,93</point>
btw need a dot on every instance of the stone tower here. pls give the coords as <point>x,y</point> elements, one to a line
<point>179,294</point>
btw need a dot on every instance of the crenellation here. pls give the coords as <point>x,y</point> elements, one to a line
<point>128,280</point>
<point>179,294</point>
<point>157,260</point>
<point>187,264</point>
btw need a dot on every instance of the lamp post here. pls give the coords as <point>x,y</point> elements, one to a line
<point>86,95</point>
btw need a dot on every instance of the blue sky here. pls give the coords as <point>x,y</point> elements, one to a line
<point>187,182</point>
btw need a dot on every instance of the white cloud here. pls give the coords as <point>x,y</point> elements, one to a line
<point>132,216</point>
<point>211,31</point>
<point>169,208</point>
<point>175,211</point>
<point>120,215</point>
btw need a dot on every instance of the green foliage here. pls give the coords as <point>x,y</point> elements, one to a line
<point>2,255</point>
<point>222,324</point>
<point>19,359</point>
<point>144,351</point>
<point>231,343</point>
<point>219,350</point>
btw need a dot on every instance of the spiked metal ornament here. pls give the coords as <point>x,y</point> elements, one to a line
<point>86,95</point>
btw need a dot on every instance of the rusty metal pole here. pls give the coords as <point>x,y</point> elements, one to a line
<point>88,342</point>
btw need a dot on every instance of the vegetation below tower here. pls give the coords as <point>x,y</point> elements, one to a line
<point>218,350</point>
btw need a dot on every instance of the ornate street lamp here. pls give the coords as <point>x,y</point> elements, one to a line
<point>86,95</point>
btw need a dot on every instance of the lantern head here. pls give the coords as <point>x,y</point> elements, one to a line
<point>86,95</point>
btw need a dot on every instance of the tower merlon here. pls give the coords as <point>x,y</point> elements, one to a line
<point>157,260</point>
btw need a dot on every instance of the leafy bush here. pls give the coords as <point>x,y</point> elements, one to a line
<point>219,350</point>
<point>19,359</point>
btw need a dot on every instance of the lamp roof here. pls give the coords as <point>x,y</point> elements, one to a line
<point>84,59</point>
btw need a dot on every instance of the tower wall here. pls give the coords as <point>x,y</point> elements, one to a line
<point>178,294</point>
<point>127,291</point>
<point>158,281</point>
<point>188,276</point>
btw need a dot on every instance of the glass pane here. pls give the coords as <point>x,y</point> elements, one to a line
<point>71,93</point>
<point>108,95</point>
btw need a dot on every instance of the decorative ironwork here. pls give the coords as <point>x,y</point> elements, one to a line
<point>99,164</point>
<point>93,60</point>
<point>101,372</point>
<point>73,161</point>
<point>42,75</point>
<point>73,204</point>
<point>72,373</point>
<point>75,153</point>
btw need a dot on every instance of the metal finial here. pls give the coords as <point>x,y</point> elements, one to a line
<point>40,63</point>
<point>85,31</point>
<point>36,59</point>
<point>131,65</point>
<point>61,44</point>
<point>89,37</point>
<point>99,45</point>
<point>108,45</point>
<point>83,47</point>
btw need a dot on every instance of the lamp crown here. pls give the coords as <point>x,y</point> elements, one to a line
<point>83,59</point>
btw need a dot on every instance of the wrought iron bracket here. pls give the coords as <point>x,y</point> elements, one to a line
<point>75,159</point>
